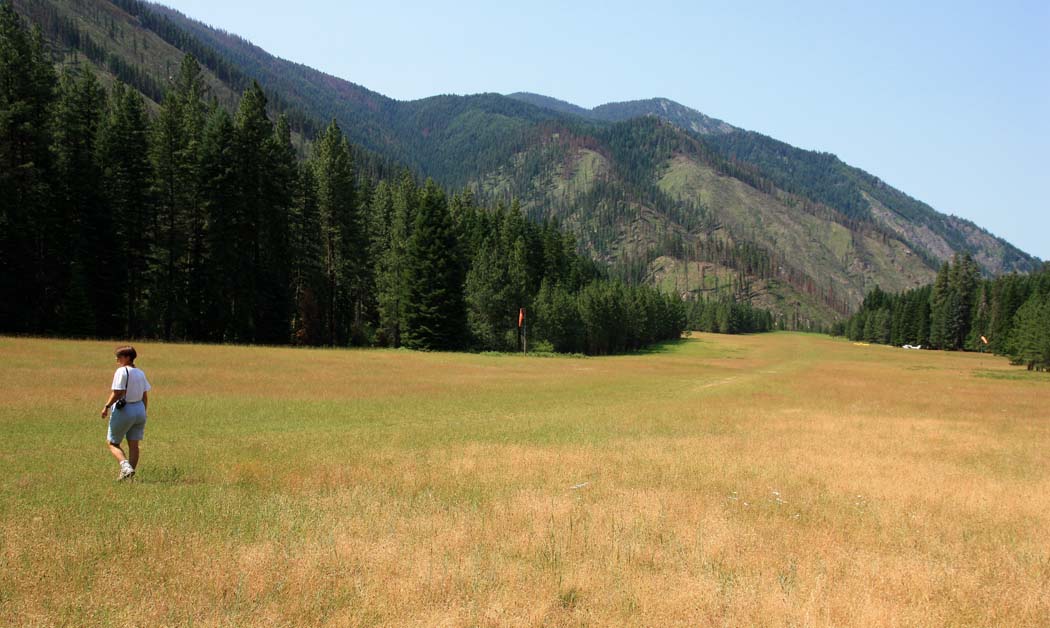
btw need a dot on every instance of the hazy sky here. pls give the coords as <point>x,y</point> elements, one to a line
<point>948,101</point>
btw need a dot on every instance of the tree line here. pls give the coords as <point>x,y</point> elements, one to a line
<point>725,316</point>
<point>195,224</point>
<point>1008,315</point>
<point>687,229</point>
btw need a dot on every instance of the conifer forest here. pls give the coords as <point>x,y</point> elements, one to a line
<point>1008,315</point>
<point>191,224</point>
<point>137,207</point>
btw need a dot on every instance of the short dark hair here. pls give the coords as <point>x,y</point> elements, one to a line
<point>127,351</point>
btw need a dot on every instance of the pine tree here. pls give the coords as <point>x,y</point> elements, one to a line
<point>192,91</point>
<point>27,216</point>
<point>1009,293</point>
<point>435,313</point>
<point>337,205</point>
<point>897,322</point>
<point>1032,333</point>
<point>962,284</point>
<point>391,270</point>
<point>306,254</point>
<point>220,201</point>
<point>980,321</point>
<point>603,310</point>
<point>86,240</point>
<point>166,279</point>
<point>708,316</point>
<point>252,134</point>
<point>489,300</point>
<point>939,309</point>
<point>556,319</point>
<point>871,330</point>
<point>276,288</point>
<point>883,326</point>
<point>123,149</point>
<point>178,275</point>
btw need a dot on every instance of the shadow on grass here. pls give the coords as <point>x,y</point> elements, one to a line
<point>667,346</point>
<point>165,475</point>
<point>1019,375</point>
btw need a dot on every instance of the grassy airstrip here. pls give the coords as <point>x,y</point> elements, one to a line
<point>781,479</point>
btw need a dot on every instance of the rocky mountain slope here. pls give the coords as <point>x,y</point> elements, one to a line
<point>662,192</point>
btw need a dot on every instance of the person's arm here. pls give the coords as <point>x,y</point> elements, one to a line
<point>113,396</point>
<point>117,390</point>
<point>145,401</point>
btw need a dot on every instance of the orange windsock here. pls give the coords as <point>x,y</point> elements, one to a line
<point>984,340</point>
<point>521,316</point>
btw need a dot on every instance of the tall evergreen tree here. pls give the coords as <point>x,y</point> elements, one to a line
<point>252,132</point>
<point>491,313</point>
<point>85,238</point>
<point>123,149</point>
<point>28,219</point>
<point>435,312</point>
<point>337,211</point>
<point>391,257</point>
<point>1009,293</point>
<point>1032,333</point>
<point>281,182</point>
<point>939,309</point>
<point>962,286</point>
<point>166,276</point>
<point>556,319</point>
<point>980,321</point>
<point>177,275</point>
<point>222,209</point>
<point>306,254</point>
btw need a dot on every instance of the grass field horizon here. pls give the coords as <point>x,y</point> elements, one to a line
<point>775,479</point>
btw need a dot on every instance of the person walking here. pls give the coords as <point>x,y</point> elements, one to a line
<point>129,398</point>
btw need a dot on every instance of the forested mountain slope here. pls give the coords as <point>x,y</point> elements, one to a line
<point>454,139</point>
<point>663,192</point>
<point>823,178</point>
<point>675,113</point>
<point>118,43</point>
<point>528,146</point>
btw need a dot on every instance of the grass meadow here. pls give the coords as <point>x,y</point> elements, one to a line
<point>778,479</point>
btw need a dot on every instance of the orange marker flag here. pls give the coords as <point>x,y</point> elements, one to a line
<point>521,316</point>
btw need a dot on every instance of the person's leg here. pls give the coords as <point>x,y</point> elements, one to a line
<point>119,424</point>
<point>117,452</point>
<point>135,435</point>
<point>133,453</point>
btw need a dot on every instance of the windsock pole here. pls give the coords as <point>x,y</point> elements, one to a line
<point>524,331</point>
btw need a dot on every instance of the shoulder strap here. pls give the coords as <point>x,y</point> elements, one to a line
<point>127,382</point>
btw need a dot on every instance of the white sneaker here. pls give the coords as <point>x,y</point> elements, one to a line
<point>126,471</point>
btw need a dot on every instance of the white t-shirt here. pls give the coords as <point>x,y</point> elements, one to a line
<point>136,387</point>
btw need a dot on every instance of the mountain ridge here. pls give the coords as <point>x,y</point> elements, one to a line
<point>681,115</point>
<point>941,250</point>
<point>645,196</point>
<point>692,120</point>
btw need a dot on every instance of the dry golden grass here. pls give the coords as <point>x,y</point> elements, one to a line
<point>782,479</point>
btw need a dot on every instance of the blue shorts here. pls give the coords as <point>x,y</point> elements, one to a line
<point>129,421</point>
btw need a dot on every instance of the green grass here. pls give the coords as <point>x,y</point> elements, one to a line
<point>1014,375</point>
<point>579,178</point>
<point>769,479</point>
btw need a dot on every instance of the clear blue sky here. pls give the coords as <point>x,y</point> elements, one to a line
<point>948,101</point>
